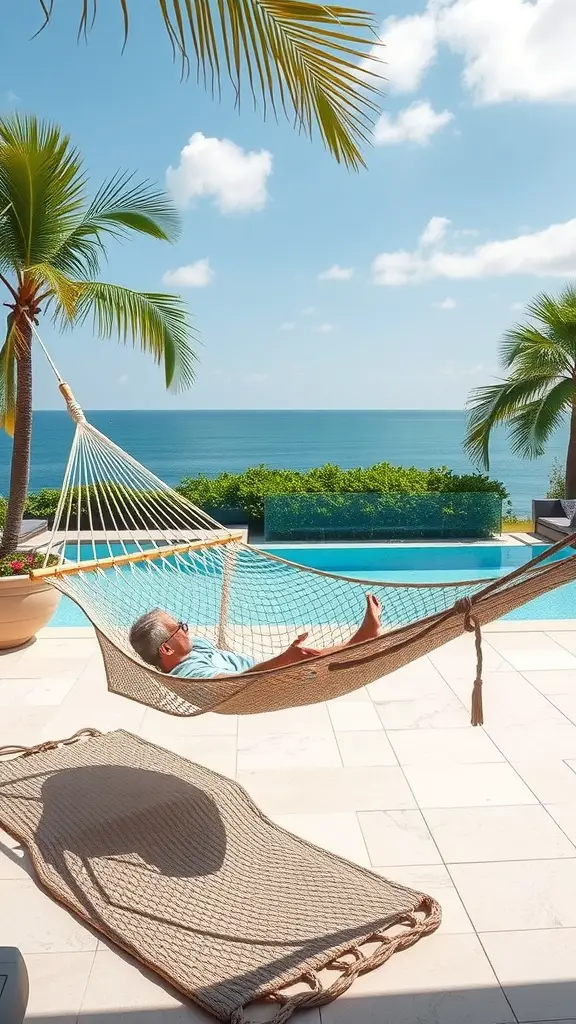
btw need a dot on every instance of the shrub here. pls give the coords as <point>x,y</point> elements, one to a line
<point>21,562</point>
<point>557,482</point>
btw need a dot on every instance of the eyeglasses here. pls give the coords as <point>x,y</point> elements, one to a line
<point>181,626</point>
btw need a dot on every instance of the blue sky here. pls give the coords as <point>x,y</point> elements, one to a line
<point>476,146</point>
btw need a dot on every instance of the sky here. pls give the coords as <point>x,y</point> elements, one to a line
<point>310,286</point>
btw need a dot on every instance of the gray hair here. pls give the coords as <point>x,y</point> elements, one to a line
<point>148,634</point>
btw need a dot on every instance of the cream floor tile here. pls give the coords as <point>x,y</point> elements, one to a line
<point>61,647</point>
<point>469,785</point>
<point>458,658</point>
<point>204,725</point>
<point>443,746</point>
<point>215,752</point>
<point>328,790</point>
<point>306,720</point>
<point>106,714</point>
<point>354,697</point>
<point>23,726</point>
<point>398,837</point>
<point>552,781</point>
<point>340,833</point>
<point>49,691</point>
<point>352,717</point>
<point>510,700</point>
<point>566,704</point>
<point>285,750</point>
<point>433,880</point>
<point>523,894</point>
<point>418,679</point>
<point>536,971</point>
<point>443,979</point>
<point>120,991</point>
<point>57,985</point>
<point>365,748</point>
<point>14,860</point>
<point>532,651</point>
<point>561,681</point>
<point>36,924</point>
<point>497,834</point>
<point>9,658</point>
<point>534,640</point>
<point>566,638</point>
<point>427,713</point>
<point>62,668</point>
<point>565,816</point>
<point>533,743</point>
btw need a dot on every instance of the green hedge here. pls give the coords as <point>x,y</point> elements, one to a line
<point>293,517</point>
<point>248,491</point>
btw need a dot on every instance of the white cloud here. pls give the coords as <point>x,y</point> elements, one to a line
<point>194,275</point>
<point>336,273</point>
<point>547,253</point>
<point>447,303</point>
<point>416,123</point>
<point>435,231</point>
<point>510,49</point>
<point>289,325</point>
<point>234,178</point>
<point>325,328</point>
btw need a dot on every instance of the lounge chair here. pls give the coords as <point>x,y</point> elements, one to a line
<point>550,519</point>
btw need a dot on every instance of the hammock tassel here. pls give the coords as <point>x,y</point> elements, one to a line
<point>471,625</point>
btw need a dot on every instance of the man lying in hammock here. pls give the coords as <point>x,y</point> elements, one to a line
<point>166,644</point>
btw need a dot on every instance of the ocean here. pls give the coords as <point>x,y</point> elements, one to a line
<point>184,443</point>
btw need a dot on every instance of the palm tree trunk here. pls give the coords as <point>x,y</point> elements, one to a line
<point>20,466</point>
<point>571,457</point>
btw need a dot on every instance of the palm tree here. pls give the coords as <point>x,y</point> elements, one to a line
<point>52,240</point>
<point>539,392</point>
<point>298,56</point>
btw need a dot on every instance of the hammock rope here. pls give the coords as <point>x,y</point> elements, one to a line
<point>125,542</point>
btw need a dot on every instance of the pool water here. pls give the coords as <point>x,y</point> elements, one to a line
<point>400,563</point>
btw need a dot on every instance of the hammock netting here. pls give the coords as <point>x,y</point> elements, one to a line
<point>126,543</point>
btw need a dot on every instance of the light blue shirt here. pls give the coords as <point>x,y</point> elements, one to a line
<point>206,660</point>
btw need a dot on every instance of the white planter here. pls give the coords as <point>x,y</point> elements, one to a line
<point>25,607</point>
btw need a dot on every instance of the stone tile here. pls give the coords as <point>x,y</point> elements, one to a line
<point>560,681</point>
<point>14,860</point>
<point>62,647</point>
<point>398,837</point>
<point>57,985</point>
<point>497,834</point>
<point>351,698</point>
<point>215,752</point>
<point>365,748</point>
<point>533,743</point>
<point>49,691</point>
<point>418,679</point>
<point>566,704</point>
<point>109,713</point>
<point>328,790</point>
<point>434,880</point>
<point>285,750</point>
<point>471,785</point>
<point>519,894</point>
<point>306,720</point>
<point>552,781</point>
<point>443,979</point>
<point>120,991</point>
<point>566,638</point>
<point>532,651</point>
<point>536,971</point>
<point>443,746</point>
<point>23,726</point>
<point>37,924</point>
<point>457,659</point>
<point>339,832</point>
<point>428,713</point>
<point>352,717</point>
<point>565,816</point>
<point>155,722</point>
<point>510,700</point>
<point>61,668</point>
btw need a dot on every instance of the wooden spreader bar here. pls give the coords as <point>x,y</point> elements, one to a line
<point>94,564</point>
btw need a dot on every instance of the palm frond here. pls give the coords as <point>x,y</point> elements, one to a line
<point>56,285</point>
<point>158,324</point>
<point>533,425</point>
<point>8,354</point>
<point>495,404</point>
<point>122,204</point>
<point>303,57</point>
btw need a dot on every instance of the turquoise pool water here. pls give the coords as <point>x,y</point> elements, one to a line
<point>402,563</point>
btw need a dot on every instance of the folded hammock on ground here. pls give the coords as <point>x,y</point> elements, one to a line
<point>149,547</point>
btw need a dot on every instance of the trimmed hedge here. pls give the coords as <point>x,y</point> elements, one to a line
<point>248,491</point>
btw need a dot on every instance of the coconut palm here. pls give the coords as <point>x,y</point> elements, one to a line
<point>52,241</point>
<point>539,392</point>
<point>298,56</point>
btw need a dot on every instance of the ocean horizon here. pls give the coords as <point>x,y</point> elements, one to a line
<point>178,443</point>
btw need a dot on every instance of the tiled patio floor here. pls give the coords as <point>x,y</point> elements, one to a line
<point>392,777</point>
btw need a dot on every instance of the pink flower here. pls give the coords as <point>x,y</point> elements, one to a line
<point>30,559</point>
<point>17,566</point>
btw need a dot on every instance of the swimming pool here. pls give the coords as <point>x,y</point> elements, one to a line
<point>396,563</point>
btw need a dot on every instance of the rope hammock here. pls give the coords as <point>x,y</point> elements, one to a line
<point>125,543</point>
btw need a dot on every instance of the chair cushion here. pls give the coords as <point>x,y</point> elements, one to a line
<point>569,509</point>
<point>558,523</point>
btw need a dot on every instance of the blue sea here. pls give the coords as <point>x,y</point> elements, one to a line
<point>184,443</point>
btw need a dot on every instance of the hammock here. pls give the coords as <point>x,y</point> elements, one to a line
<point>126,543</point>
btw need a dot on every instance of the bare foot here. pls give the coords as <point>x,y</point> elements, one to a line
<point>371,625</point>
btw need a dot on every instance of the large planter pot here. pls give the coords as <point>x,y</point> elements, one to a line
<point>25,607</point>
